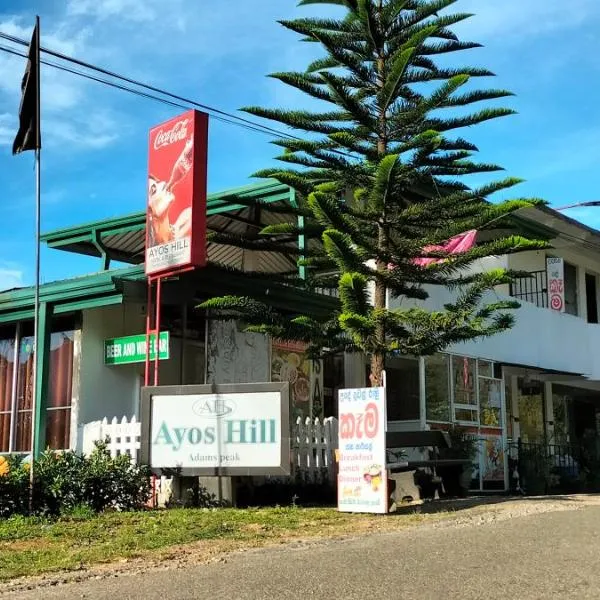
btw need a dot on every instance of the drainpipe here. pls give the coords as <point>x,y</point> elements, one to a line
<point>97,241</point>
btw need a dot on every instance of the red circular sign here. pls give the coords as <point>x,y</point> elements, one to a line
<point>556,302</point>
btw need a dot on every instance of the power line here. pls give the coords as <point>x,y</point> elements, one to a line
<point>143,85</point>
<point>257,128</point>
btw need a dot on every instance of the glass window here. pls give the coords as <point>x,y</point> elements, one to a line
<point>437,389</point>
<point>19,407</point>
<point>490,402</point>
<point>402,393</point>
<point>24,396</point>
<point>463,380</point>
<point>60,385</point>
<point>485,368</point>
<point>466,415</point>
<point>7,361</point>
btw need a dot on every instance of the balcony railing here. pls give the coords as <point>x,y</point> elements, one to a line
<point>533,288</point>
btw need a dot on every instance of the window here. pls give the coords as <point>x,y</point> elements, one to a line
<point>437,389</point>
<point>490,402</point>
<point>570,275</point>
<point>402,393</point>
<point>60,385</point>
<point>16,410</point>
<point>7,366</point>
<point>465,394</point>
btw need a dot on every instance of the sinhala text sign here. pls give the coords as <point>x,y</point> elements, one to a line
<point>238,429</point>
<point>362,477</point>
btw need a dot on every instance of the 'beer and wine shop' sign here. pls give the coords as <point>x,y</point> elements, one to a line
<point>132,348</point>
<point>210,430</point>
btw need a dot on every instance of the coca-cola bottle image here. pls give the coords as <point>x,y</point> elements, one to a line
<point>182,165</point>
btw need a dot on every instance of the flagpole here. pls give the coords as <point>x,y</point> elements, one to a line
<point>36,308</point>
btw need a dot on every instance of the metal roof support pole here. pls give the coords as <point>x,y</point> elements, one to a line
<point>301,237</point>
<point>42,366</point>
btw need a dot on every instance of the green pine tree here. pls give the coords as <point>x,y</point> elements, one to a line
<point>379,177</point>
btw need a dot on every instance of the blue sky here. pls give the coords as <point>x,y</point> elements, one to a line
<point>94,157</point>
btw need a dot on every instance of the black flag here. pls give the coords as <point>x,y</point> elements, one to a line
<point>28,137</point>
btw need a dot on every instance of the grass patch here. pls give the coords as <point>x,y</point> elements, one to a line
<point>33,546</point>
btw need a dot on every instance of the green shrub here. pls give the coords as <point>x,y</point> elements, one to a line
<point>68,484</point>
<point>14,488</point>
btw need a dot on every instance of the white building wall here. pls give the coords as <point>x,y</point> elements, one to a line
<point>540,338</point>
<point>108,390</point>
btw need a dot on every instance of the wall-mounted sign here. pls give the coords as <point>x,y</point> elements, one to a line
<point>362,476</point>
<point>555,269</point>
<point>132,349</point>
<point>289,362</point>
<point>176,212</point>
<point>234,429</point>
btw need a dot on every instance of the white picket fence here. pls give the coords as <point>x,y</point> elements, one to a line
<point>312,448</point>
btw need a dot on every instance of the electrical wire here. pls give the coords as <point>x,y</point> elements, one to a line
<point>187,101</point>
<point>139,93</point>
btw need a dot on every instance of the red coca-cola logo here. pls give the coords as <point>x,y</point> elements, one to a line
<point>177,133</point>
<point>360,425</point>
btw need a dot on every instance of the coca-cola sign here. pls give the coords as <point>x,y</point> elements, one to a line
<point>176,209</point>
<point>170,136</point>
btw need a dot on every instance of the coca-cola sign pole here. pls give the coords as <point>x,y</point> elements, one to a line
<point>176,210</point>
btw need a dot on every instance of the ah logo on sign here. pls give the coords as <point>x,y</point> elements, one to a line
<point>213,407</point>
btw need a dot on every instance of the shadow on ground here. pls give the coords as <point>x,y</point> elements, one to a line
<point>458,504</point>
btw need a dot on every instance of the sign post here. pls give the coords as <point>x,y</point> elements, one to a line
<point>176,209</point>
<point>217,430</point>
<point>362,476</point>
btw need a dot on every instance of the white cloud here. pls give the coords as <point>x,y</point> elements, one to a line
<point>132,10</point>
<point>93,131</point>
<point>521,20</point>
<point>7,128</point>
<point>10,276</point>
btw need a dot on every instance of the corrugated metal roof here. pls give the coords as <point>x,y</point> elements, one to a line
<point>233,212</point>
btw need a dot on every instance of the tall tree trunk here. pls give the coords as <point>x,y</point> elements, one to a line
<point>380,297</point>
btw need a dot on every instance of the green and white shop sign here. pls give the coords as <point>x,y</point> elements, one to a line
<point>132,349</point>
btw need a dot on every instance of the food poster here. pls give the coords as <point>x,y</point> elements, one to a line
<point>492,458</point>
<point>362,476</point>
<point>289,362</point>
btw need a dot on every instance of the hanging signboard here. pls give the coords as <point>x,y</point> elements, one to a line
<point>203,430</point>
<point>555,269</point>
<point>362,476</point>
<point>132,349</point>
<point>176,208</point>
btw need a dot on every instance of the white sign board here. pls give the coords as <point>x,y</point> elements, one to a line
<point>362,476</point>
<point>555,269</point>
<point>229,429</point>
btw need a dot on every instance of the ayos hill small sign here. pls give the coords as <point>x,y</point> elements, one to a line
<point>176,194</point>
<point>207,430</point>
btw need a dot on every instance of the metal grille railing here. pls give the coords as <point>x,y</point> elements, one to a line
<point>548,468</point>
<point>533,288</point>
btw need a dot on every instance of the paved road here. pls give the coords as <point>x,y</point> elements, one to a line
<point>551,555</point>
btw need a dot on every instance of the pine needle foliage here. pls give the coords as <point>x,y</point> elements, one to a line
<point>379,174</point>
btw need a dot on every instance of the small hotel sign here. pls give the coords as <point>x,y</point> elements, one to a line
<point>132,349</point>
